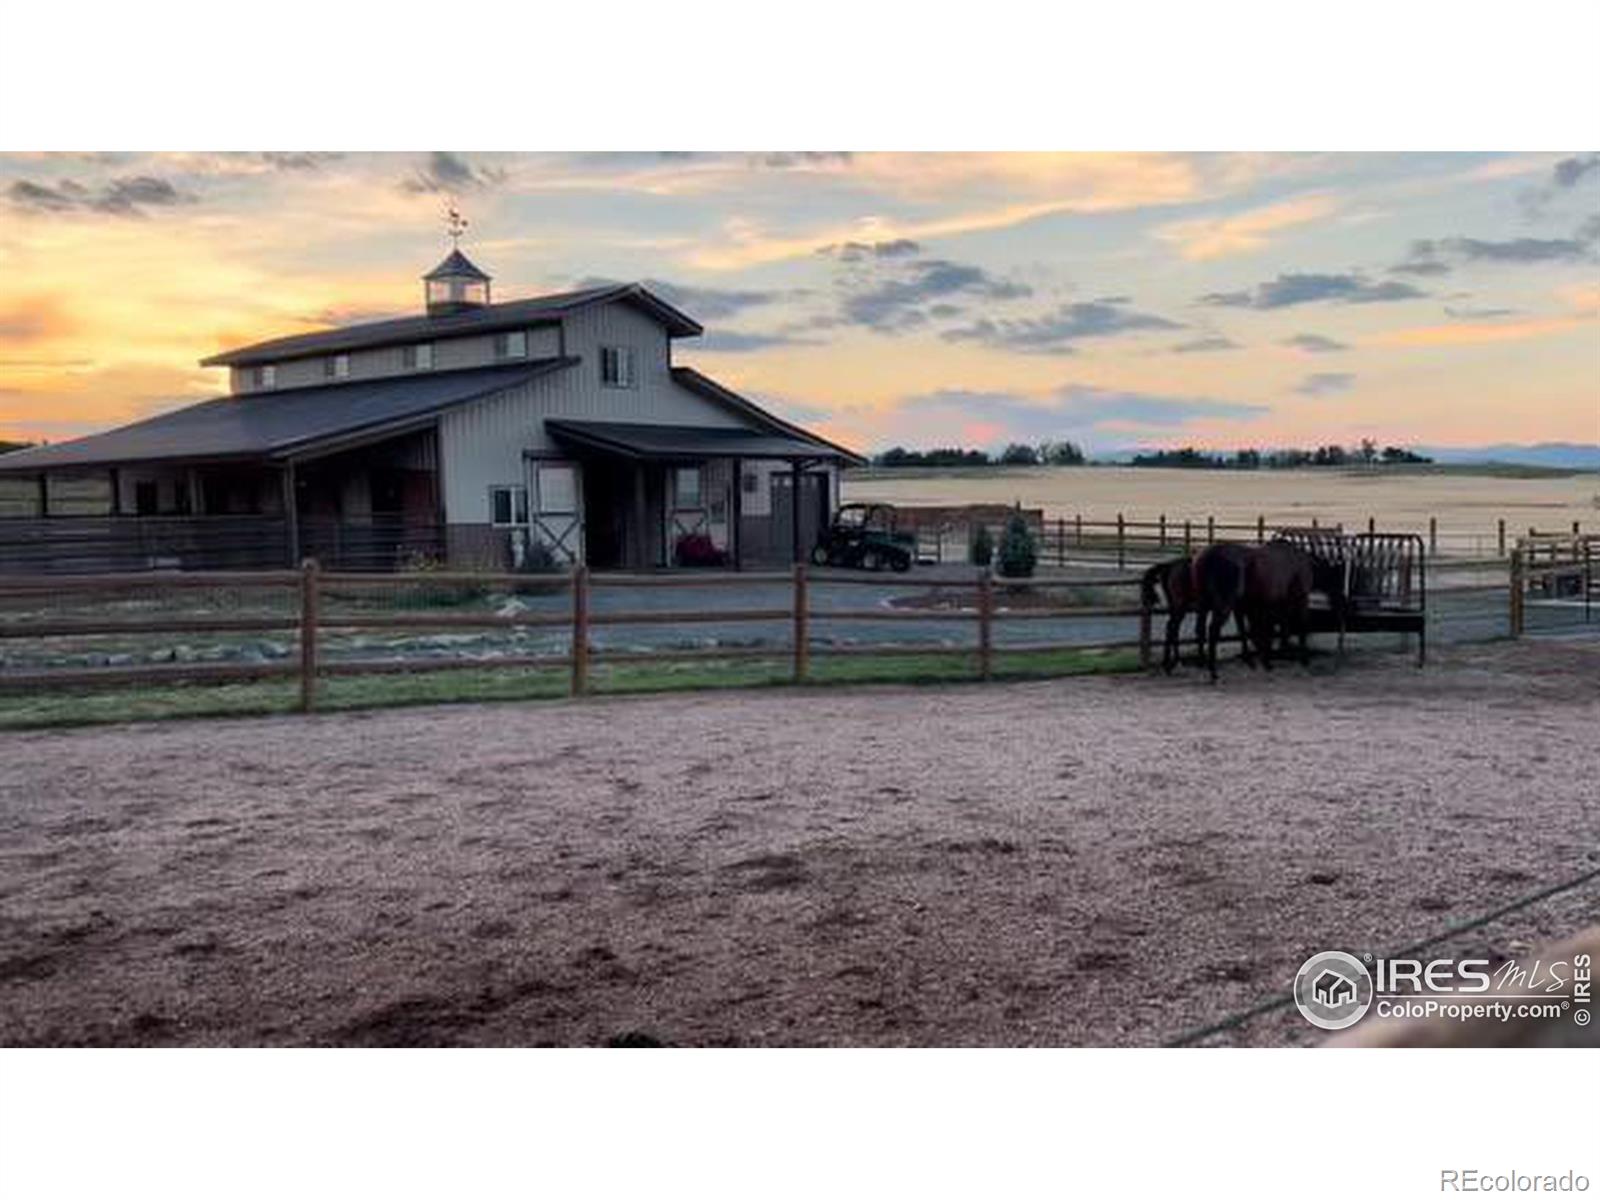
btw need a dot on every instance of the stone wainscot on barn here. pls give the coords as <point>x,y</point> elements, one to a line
<point>543,432</point>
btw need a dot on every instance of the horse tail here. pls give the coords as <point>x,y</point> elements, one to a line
<point>1147,584</point>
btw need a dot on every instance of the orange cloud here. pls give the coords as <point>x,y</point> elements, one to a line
<point>1219,237</point>
<point>1478,333</point>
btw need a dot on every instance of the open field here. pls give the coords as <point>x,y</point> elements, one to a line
<point>1466,503</point>
<point>1090,861</point>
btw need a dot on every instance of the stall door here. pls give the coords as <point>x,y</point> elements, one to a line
<point>557,516</point>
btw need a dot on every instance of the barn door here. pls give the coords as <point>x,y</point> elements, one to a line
<point>557,509</point>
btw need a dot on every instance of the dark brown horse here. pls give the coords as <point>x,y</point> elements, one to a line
<point>1279,578</point>
<point>1219,586</point>
<point>1175,579</point>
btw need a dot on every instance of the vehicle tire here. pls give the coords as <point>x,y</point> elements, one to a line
<point>819,555</point>
<point>900,563</point>
<point>871,560</point>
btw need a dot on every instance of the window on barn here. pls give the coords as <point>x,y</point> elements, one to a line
<point>146,498</point>
<point>267,376</point>
<point>511,345</point>
<point>508,505</point>
<point>558,488</point>
<point>617,367</point>
<point>686,485</point>
<point>336,366</point>
<point>419,357</point>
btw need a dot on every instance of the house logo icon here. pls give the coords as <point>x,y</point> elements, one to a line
<point>1333,990</point>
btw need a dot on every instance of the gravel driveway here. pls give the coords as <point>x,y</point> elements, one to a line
<point>1085,861</point>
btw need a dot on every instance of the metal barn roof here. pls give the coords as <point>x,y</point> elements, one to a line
<point>458,264</point>
<point>685,441</point>
<point>277,424</point>
<point>487,319</point>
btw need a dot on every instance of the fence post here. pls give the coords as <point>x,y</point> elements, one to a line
<point>802,624</point>
<point>1163,531</point>
<point>1372,524</point>
<point>310,600</point>
<point>1077,521</point>
<point>985,625</point>
<point>1211,531</point>
<point>1261,530</point>
<point>1501,552</point>
<point>1122,544</point>
<point>1061,541</point>
<point>1188,539</point>
<point>1433,535</point>
<point>580,629</point>
<point>1516,593</point>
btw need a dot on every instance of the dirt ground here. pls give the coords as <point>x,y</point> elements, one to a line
<point>1086,861</point>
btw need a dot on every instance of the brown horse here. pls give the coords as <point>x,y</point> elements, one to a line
<point>1279,578</point>
<point>1175,579</point>
<point>1219,589</point>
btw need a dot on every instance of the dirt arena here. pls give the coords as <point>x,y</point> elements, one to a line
<point>1079,862</point>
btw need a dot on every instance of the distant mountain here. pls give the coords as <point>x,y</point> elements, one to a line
<point>1578,456</point>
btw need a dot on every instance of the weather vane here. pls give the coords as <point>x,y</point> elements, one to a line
<point>454,224</point>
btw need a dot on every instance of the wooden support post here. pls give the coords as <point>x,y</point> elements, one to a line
<point>1211,531</point>
<point>44,495</point>
<point>1433,535</point>
<point>1516,593</point>
<point>580,630</point>
<point>802,624</point>
<point>1261,530</point>
<point>310,607</point>
<point>1061,541</point>
<point>985,625</point>
<point>291,514</point>
<point>1501,551</point>
<point>1188,540</point>
<point>1163,531</point>
<point>1122,543</point>
<point>736,515</point>
<point>1078,521</point>
<point>794,511</point>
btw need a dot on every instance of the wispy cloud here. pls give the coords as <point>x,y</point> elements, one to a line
<point>1058,331</point>
<point>1315,343</point>
<point>125,196</point>
<point>906,299</point>
<point>444,172</point>
<point>1325,383</point>
<point>1206,238</point>
<point>1291,289</point>
<point>1210,344</point>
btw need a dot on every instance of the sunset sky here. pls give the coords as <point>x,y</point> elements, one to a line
<point>915,299</point>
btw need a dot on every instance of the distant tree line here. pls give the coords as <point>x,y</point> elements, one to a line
<point>1070,454</point>
<point>1366,454</point>
<point>1017,454</point>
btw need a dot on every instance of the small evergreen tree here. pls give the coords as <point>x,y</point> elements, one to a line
<point>1018,552</point>
<point>982,549</point>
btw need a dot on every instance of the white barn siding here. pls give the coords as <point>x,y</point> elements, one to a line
<point>481,443</point>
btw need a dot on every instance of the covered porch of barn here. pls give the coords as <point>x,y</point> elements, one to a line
<point>628,496</point>
<point>367,505</point>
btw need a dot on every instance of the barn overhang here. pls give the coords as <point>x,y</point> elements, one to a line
<point>686,443</point>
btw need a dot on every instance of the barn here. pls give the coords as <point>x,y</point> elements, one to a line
<point>531,433</point>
